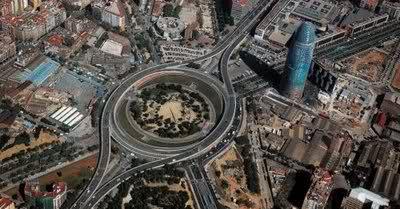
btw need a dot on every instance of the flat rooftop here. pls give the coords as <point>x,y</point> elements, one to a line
<point>357,15</point>
<point>315,10</point>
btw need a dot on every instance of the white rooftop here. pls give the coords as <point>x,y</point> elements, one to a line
<point>364,195</point>
<point>112,47</point>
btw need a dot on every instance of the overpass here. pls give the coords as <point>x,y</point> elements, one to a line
<point>96,189</point>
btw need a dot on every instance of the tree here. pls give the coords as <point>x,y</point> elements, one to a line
<point>177,10</point>
<point>196,34</point>
<point>5,103</point>
<point>14,196</point>
<point>224,184</point>
<point>36,132</point>
<point>229,20</point>
<point>64,128</point>
<point>4,139</point>
<point>22,138</point>
<point>114,149</point>
<point>136,110</point>
<point>168,10</point>
<point>44,120</point>
<point>141,42</point>
<point>250,170</point>
<point>92,148</point>
<point>218,173</point>
<point>194,65</point>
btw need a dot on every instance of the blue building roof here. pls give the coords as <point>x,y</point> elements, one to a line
<point>306,33</point>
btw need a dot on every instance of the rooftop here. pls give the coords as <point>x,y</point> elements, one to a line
<point>112,6</point>
<point>306,33</point>
<point>315,10</point>
<point>365,195</point>
<point>33,189</point>
<point>4,202</point>
<point>356,16</point>
<point>112,47</point>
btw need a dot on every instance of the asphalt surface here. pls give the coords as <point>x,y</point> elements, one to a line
<point>204,194</point>
<point>128,141</point>
<point>93,193</point>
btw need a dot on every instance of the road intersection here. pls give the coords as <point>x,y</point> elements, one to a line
<point>97,189</point>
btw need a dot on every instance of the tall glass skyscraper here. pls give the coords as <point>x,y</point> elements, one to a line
<point>298,61</point>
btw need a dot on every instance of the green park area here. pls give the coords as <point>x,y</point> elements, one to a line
<point>170,111</point>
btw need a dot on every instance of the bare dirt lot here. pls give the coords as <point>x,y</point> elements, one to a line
<point>73,173</point>
<point>368,65</point>
<point>236,191</point>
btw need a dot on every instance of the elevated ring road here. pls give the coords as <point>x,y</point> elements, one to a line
<point>90,195</point>
<point>128,138</point>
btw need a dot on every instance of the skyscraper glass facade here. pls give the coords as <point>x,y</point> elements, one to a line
<point>298,61</point>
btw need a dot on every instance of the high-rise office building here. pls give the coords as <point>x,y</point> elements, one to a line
<point>321,77</point>
<point>298,61</point>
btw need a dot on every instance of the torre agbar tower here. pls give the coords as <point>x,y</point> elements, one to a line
<point>298,61</point>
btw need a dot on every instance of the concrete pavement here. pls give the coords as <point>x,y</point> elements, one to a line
<point>89,197</point>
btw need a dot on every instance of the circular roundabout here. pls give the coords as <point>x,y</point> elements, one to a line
<point>164,112</point>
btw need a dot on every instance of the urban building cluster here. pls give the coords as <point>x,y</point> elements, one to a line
<point>31,25</point>
<point>337,66</point>
<point>307,103</point>
<point>50,88</point>
<point>110,12</point>
<point>53,197</point>
<point>177,22</point>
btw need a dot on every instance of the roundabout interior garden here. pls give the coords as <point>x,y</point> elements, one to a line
<point>170,110</point>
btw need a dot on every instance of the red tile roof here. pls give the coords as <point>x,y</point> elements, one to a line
<point>4,202</point>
